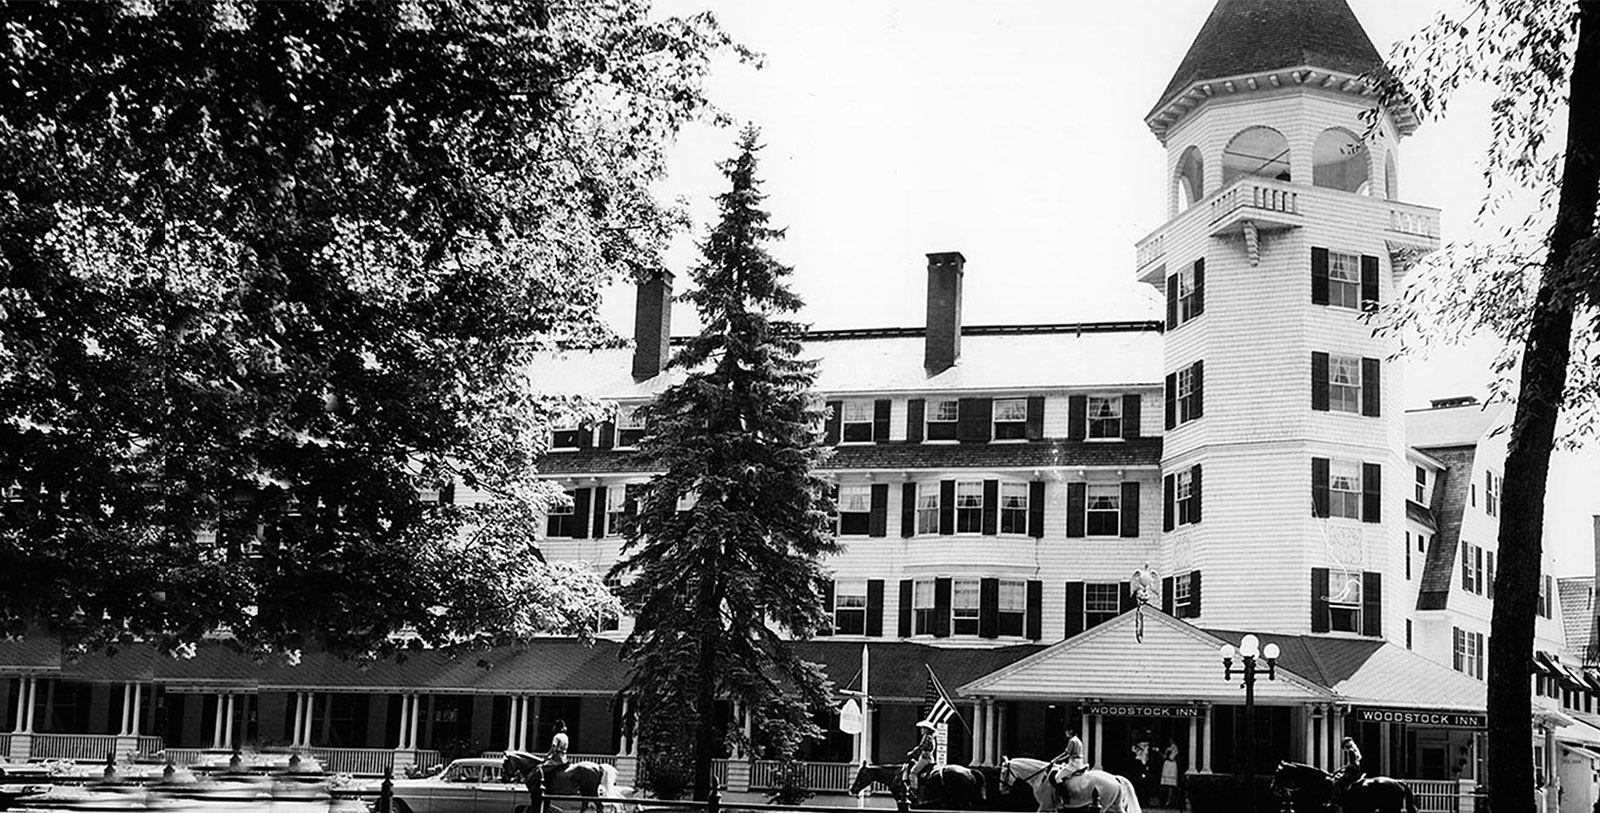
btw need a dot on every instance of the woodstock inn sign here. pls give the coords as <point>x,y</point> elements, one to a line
<point>1474,721</point>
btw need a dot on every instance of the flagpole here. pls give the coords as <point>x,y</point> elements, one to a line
<point>866,710</point>
<point>955,711</point>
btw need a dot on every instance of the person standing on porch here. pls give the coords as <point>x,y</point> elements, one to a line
<point>1169,774</point>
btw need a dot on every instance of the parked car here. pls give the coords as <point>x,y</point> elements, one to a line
<point>472,785</point>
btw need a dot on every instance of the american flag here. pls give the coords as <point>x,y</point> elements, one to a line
<point>940,709</point>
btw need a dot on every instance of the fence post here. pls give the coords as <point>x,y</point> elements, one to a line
<point>714,802</point>
<point>536,791</point>
<point>386,792</point>
<point>902,802</point>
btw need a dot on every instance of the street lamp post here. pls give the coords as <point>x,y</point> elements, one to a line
<point>1248,653</point>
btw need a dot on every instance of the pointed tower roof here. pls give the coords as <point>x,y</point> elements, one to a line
<point>1243,39</point>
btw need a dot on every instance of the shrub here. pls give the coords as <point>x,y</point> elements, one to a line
<point>790,785</point>
<point>666,773</point>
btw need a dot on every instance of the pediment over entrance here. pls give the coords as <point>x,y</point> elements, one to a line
<point>1175,663</point>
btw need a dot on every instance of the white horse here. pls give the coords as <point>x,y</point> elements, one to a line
<point>1094,790</point>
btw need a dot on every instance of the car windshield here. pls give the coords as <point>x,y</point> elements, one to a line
<point>463,773</point>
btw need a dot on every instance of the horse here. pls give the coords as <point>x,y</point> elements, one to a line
<point>588,779</point>
<point>1309,788</point>
<point>1093,790</point>
<point>945,787</point>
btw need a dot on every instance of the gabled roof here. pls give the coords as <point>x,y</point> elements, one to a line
<point>999,359</point>
<point>1577,614</point>
<point>1251,36</point>
<point>1174,660</point>
<point>1374,672</point>
<point>1462,425</point>
<point>898,671</point>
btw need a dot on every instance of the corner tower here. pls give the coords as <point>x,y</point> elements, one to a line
<point>1284,468</point>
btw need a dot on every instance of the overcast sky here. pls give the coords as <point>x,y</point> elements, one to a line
<point>1014,133</point>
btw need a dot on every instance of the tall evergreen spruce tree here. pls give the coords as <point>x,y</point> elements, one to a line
<point>738,442</point>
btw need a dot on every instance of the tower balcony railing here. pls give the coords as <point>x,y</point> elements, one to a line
<point>1270,205</point>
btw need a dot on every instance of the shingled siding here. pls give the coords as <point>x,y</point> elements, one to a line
<point>1450,493</point>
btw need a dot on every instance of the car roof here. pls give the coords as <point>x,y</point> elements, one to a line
<point>478,761</point>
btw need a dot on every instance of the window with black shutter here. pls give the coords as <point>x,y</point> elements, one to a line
<point>905,610</point>
<point>878,521</point>
<point>559,521</point>
<point>1131,405</point>
<point>1011,608</point>
<point>1010,419</point>
<point>941,608</point>
<point>849,606</point>
<point>973,422</point>
<point>1074,608</point>
<point>1130,509</point>
<point>857,421</point>
<point>1036,509</point>
<point>880,420</point>
<point>1034,626</point>
<point>1102,601</point>
<point>875,608</point>
<point>630,426</point>
<point>916,411</point>
<point>854,502</point>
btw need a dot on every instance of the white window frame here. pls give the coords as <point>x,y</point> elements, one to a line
<point>969,513</point>
<point>849,600</point>
<point>1014,508</point>
<point>1491,496</point>
<point>560,508</point>
<point>1344,600</point>
<point>1096,496</point>
<point>1104,416</point>
<point>1344,489</point>
<point>616,509</point>
<point>1010,419</point>
<point>1186,395</point>
<point>1421,485</point>
<point>1013,608</point>
<point>629,420</point>
<point>964,617</point>
<point>923,607</point>
<point>1183,497</point>
<point>1182,594</point>
<point>1344,280</point>
<point>1344,384</point>
<point>855,418</point>
<point>1471,573</point>
<point>1186,300</point>
<point>854,499</point>
<point>945,415</point>
<point>1471,651</point>
<point>927,509</point>
<point>1102,601</point>
<point>556,429</point>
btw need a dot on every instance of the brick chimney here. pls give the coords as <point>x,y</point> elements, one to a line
<point>652,326</point>
<point>944,311</point>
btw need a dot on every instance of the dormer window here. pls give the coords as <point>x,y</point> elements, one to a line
<point>855,419</point>
<point>1011,419</point>
<point>563,438</point>
<point>1105,417</point>
<point>942,419</point>
<point>630,426</point>
<point>855,509</point>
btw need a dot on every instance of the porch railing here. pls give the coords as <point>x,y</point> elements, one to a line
<point>149,746</point>
<point>84,747</point>
<point>1256,193</point>
<point>356,761</point>
<point>598,759</point>
<point>5,745</point>
<point>820,776</point>
<point>1436,795</point>
<point>185,757</point>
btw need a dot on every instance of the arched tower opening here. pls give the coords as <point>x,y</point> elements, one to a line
<point>1391,177</point>
<point>1191,178</point>
<point>1259,151</point>
<point>1339,160</point>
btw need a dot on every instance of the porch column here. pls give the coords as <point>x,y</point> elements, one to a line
<point>216,722</point>
<point>227,726</point>
<point>1310,755</point>
<point>400,728</point>
<point>138,710</point>
<point>622,727</point>
<point>1194,741</point>
<point>1099,742</point>
<point>411,725</point>
<point>1206,741</point>
<point>24,686</point>
<point>747,722</point>
<point>127,706</point>
<point>1002,721</point>
<point>1337,740</point>
<point>311,716</point>
<point>534,716</point>
<point>511,723</point>
<point>1385,740</point>
<point>978,743</point>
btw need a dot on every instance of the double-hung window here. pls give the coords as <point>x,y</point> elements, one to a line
<point>927,508</point>
<point>1103,509</point>
<point>1491,493</point>
<point>1421,495</point>
<point>1183,594</point>
<point>607,621</point>
<point>1013,608</point>
<point>1344,600</point>
<point>964,604</point>
<point>1105,417</point>
<point>941,419</point>
<point>1101,603</point>
<point>922,607</point>
<point>1344,489</point>
<point>1468,652</point>
<point>1188,397</point>
<point>1013,508</point>
<point>630,427</point>
<point>1011,419</point>
<point>855,421</point>
<point>1344,280</point>
<point>616,509</point>
<point>1188,502</point>
<point>1344,384</point>
<point>560,522</point>
<point>1188,303</point>
<point>855,509</point>
<point>566,437</point>
<point>850,607</point>
<point>1472,569</point>
<point>969,507</point>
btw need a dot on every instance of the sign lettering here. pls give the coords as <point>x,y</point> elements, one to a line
<point>1474,720</point>
<point>1143,710</point>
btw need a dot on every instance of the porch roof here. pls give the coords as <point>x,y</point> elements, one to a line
<point>1175,662</point>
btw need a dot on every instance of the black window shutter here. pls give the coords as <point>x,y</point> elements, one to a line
<point>878,520</point>
<point>1488,576</point>
<point>1194,595</point>
<point>1074,608</point>
<point>880,420</point>
<point>905,608</point>
<point>1033,622</point>
<point>908,510</point>
<point>1455,648</point>
<point>1130,416</point>
<point>1199,295</point>
<point>1371,392</point>
<point>1077,417</point>
<point>941,608</point>
<point>1130,509</point>
<point>1170,490</point>
<point>1036,509</point>
<point>1125,590</point>
<point>1319,381</point>
<point>1372,604</point>
<point>975,421</point>
<point>580,513</point>
<point>1369,279</point>
<point>630,498</point>
<point>585,436</point>
<point>608,434</point>
<point>947,507</point>
<point>600,528</point>
<point>1172,301</point>
<point>1035,427</point>
<point>1319,599</point>
<point>1172,400</point>
<point>915,409</point>
<point>1319,276</point>
<point>830,428</point>
<point>1199,388</point>
<point>1319,487</point>
<point>1166,595</point>
<point>991,507</point>
<point>1371,492</point>
<point>1198,500</point>
<point>1477,566</point>
<point>827,608</point>
<point>989,608</point>
<point>1077,507</point>
<point>875,607</point>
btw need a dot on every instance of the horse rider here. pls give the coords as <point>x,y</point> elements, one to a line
<point>556,760</point>
<point>1071,762</point>
<point>920,758</point>
<point>1351,773</point>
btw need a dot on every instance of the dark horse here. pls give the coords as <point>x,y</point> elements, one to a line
<point>1311,788</point>
<point>946,787</point>
<point>572,779</point>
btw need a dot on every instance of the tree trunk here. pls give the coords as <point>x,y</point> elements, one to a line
<point>1543,382</point>
<point>705,734</point>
